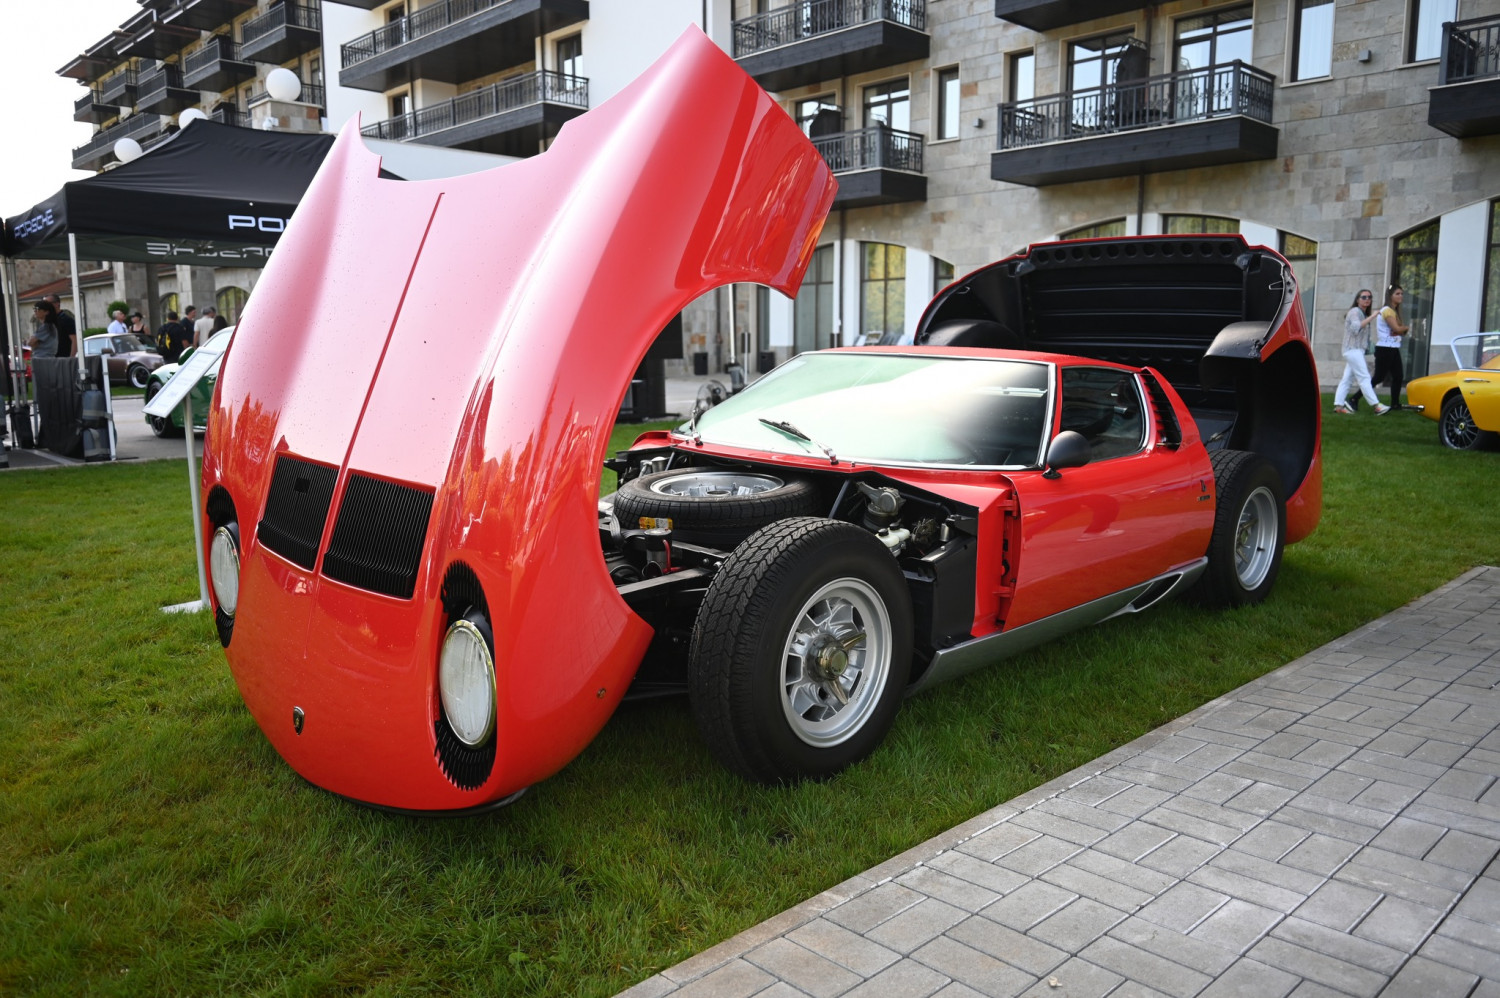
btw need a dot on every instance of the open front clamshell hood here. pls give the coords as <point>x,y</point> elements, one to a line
<point>411,422</point>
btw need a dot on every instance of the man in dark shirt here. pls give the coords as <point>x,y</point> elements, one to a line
<point>166,337</point>
<point>67,329</point>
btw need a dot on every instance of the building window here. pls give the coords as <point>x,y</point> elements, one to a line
<point>889,104</point>
<point>1415,270</point>
<point>1302,254</point>
<point>400,104</point>
<point>1424,32</point>
<point>570,55</point>
<point>1020,76</point>
<point>315,70</point>
<point>1094,62</point>
<point>230,302</point>
<point>1177,225</point>
<point>1491,314</point>
<point>947,103</point>
<point>818,116</point>
<point>942,274</point>
<point>812,315</point>
<point>1099,230</point>
<point>1215,39</point>
<point>1312,39</point>
<point>882,297</point>
<point>168,303</point>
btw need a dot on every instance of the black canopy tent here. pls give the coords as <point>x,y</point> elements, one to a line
<point>213,195</point>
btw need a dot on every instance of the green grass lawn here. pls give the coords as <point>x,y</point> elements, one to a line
<point>151,842</point>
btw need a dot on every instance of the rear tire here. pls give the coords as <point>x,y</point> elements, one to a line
<point>137,376</point>
<point>1244,553</point>
<point>801,651</point>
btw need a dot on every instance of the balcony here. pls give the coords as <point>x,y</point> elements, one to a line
<point>1195,118</point>
<point>875,165</point>
<point>207,15</point>
<point>1466,101</point>
<point>147,129</point>
<point>86,69</point>
<point>510,118</point>
<point>454,40</point>
<point>118,90</point>
<point>1046,15</point>
<point>311,94</point>
<point>216,66</point>
<point>160,91</point>
<point>361,4</point>
<point>282,33</point>
<point>92,109</point>
<point>816,40</point>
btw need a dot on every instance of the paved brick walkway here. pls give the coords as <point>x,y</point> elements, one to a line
<point>1329,829</point>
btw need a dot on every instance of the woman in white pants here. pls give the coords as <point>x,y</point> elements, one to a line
<point>1356,371</point>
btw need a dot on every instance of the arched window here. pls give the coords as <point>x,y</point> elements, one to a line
<point>1302,254</point>
<point>168,303</point>
<point>882,291</point>
<point>230,301</point>
<point>1176,225</point>
<point>1099,230</point>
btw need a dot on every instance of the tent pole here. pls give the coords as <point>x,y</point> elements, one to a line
<point>13,318</point>
<point>83,371</point>
<point>192,465</point>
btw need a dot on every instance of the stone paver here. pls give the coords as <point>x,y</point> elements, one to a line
<point>1330,829</point>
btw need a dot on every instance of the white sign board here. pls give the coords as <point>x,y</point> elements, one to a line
<point>188,375</point>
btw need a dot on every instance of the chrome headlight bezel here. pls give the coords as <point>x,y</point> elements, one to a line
<point>466,681</point>
<point>224,568</point>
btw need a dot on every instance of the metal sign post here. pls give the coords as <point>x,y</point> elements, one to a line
<point>174,391</point>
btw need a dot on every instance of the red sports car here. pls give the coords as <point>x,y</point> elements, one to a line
<point>427,608</point>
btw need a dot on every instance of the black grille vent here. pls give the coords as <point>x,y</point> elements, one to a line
<point>1166,416</point>
<point>296,509</point>
<point>466,768</point>
<point>377,539</point>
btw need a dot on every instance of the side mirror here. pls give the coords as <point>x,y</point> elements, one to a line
<point>1069,449</point>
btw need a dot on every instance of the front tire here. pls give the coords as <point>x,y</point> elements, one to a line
<point>801,651</point>
<point>161,425</point>
<point>1456,427</point>
<point>1249,535</point>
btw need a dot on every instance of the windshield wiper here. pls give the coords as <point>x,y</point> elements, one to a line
<point>792,431</point>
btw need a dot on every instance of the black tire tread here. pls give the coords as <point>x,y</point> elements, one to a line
<point>727,520</point>
<point>1482,438</point>
<point>740,599</point>
<point>161,425</point>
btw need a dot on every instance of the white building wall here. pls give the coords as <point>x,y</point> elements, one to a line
<point>343,24</point>
<point>621,39</point>
<point>1458,297</point>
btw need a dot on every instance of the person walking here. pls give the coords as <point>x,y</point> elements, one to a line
<point>67,328</point>
<point>204,327</point>
<point>43,341</point>
<point>1388,332</point>
<point>1356,342</point>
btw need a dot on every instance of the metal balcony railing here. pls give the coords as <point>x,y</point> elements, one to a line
<point>154,81</point>
<point>874,148</point>
<point>217,48</point>
<point>1170,99</point>
<point>808,18</point>
<point>311,93</point>
<point>229,114</point>
<point>119,88</point>
<point>295,15</point>
<point>1471,50</point>
<point>540,87</point>
<point>431,18</point>
<point>88,100</point>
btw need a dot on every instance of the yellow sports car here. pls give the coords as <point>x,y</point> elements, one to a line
<point>1465,402</point>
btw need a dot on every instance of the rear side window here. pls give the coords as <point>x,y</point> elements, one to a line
<point>1104,405</point>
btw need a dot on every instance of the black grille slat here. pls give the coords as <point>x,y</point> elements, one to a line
<point>1166,416</point>
<point>378,536</point>
<point>296,509</point>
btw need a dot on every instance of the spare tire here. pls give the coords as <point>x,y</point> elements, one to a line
<point>717,507</point>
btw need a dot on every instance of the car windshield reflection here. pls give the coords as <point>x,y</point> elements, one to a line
<point>890,409</point>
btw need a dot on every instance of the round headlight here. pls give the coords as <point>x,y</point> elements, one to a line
<point>224,569</point>
<point>466,682</point>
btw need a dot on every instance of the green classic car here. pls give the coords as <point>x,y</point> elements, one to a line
<point>202,394</point>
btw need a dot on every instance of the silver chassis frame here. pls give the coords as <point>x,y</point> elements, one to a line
<point>949,663</point>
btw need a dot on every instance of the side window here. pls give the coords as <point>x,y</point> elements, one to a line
<point>1104,405</point>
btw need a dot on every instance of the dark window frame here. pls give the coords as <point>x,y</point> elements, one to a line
<point>942,78</point>
<point>1216,32</point>
<point>1489,306</point>
<point>1297,8</point>
<point>1414,27</point>
<point>887,281</point>
<point>1013,62</point>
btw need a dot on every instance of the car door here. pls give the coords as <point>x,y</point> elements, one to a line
<point>1135,511</point>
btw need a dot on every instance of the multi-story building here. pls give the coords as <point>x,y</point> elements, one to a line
<point>1356,136</point>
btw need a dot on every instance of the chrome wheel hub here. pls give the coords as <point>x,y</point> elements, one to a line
<point>714,484</point>
<point>836,662</point>
<point>1255,538</point>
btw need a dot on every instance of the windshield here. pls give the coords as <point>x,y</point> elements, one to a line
<point>128,344</point>
<point>890,409</point>
<point>1477,350</point>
